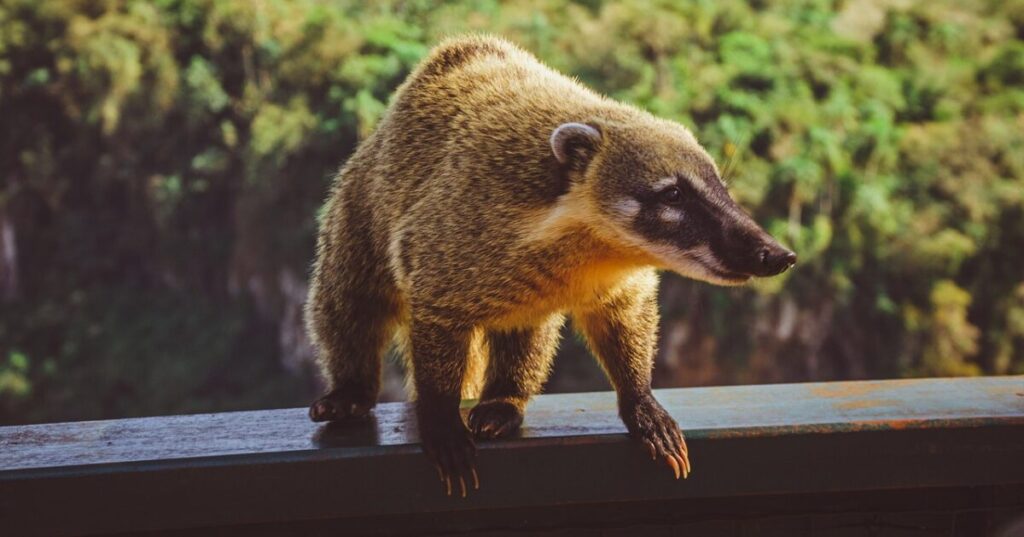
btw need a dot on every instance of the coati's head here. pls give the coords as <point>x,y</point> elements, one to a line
<point>652,186</point>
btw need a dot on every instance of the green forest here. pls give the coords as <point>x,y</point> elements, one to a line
<point>162,165</point>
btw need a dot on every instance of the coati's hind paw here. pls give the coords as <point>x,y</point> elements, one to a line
<point>493,419</point>
<point>338,405</point>
<point>649,423</point>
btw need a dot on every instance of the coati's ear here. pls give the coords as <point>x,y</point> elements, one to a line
<point>575,143</point>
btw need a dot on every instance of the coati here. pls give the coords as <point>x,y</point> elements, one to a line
<point>495,198</point>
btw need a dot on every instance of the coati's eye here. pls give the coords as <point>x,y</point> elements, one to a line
<point>671,196</point>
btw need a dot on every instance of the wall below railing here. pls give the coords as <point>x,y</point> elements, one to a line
<point>908,457</point>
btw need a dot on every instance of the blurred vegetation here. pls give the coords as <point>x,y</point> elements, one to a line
<point>162,164</point>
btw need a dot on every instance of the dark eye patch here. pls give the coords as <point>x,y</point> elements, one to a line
<point>687,188</point>
<point>671,195</point>
<point>711,196</point>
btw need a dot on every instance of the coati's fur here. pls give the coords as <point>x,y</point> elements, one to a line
<point>469,225</point>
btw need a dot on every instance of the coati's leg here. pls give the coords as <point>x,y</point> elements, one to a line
<point>622,333</point>
<point>520,362</point>
<point>439,358</point>
<point>351,317</point>
<point>353,332</point>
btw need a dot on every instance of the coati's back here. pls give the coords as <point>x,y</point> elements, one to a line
<point>476,114</point>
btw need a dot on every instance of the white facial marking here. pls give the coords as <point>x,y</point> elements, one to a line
<point>627,207</point>
<point>703,255</point>
<point>670,215</point>
<point>696,263</point>
<point>664,183</point>
<point>698,184</point>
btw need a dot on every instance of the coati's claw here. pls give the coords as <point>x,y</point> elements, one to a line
<point>493,419</point>
<point>340,406</point>
<point>683,465</point>
<point>675,465</point>
<point>453,453</point>
<point>684,455</point>
<point>651,449</point>
<point>648,422</point>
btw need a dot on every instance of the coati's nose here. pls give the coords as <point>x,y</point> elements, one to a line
<point>775,260</point>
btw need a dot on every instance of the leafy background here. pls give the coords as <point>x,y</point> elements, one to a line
<point>162,165</point>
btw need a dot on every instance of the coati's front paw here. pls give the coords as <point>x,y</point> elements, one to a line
<point>492,419</point>
<point>341,405</point>
<point>649,423</point>
<point>448,443</point>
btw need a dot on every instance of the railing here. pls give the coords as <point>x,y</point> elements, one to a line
<point>907,457</point>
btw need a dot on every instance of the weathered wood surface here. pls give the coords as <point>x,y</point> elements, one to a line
<point>275,467</point>
<point>701,412</point>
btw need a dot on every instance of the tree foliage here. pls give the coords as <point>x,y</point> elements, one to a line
<point>162,164</point>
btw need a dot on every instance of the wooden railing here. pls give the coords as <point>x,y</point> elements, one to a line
<point>906,457</point>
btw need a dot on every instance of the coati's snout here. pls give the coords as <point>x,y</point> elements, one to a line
<point>774,259</point>
<point>690,222</point>
<point>748,250</point>
<point>662,193</point>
